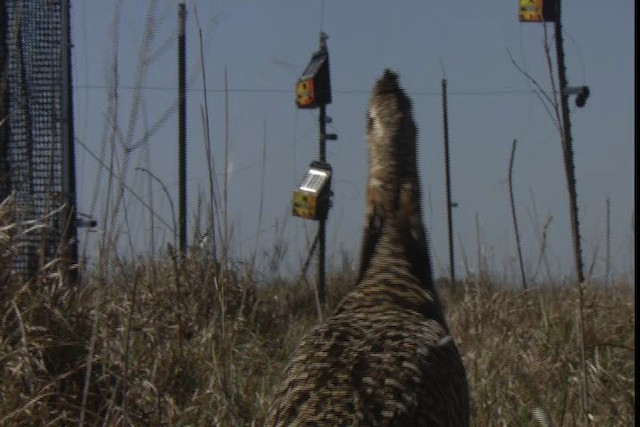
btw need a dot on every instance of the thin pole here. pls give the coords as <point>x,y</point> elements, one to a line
<point>322,226</point>
<point>514,216</point>
<point>567,142</point>
<point>225,192</point>
<point>182,129</point>
<point>447,175</point>
<point>573,197</point>
<point>70,234</point>
<point>607,274</point>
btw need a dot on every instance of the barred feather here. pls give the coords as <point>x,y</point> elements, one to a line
<point>385,357</point>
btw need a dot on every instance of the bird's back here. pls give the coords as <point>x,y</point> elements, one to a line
<point>385,357</point>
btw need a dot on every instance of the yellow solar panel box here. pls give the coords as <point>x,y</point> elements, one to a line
<point>311,200</point>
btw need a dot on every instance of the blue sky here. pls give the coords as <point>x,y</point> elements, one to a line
<point>264,47</point>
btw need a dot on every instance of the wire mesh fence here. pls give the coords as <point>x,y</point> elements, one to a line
<point>32,154</point>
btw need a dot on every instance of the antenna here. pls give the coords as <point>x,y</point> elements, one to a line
<point>321,16</point>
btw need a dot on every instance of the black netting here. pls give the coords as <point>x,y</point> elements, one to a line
<point>32,141</point>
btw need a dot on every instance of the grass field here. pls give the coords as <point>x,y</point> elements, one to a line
<point>170,342</point>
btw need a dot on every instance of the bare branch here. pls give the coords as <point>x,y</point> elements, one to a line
<point>548,103</point>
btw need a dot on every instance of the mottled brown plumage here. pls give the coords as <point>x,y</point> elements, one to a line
<point>385,357</point>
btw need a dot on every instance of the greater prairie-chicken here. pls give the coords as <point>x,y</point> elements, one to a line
<point>386,356</point>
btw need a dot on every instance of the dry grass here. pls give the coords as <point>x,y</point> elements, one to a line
<point>170,344</point>
<point>522,355</point>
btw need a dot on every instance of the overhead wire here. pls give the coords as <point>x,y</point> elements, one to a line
<point>489,92</point>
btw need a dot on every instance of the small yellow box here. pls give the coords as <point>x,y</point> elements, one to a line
<point>304,204</point>
<point>305,95</point>
<point>313,88</point>
<point>537,10</point>
<point>311,198</point>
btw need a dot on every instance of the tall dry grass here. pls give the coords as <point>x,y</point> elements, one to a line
<point>166,342</point>
<point>522,354</point>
